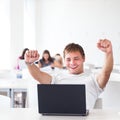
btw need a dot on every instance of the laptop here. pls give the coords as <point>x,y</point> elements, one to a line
<point>62,99</point>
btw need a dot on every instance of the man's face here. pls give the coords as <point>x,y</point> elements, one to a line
<point>74,62</point>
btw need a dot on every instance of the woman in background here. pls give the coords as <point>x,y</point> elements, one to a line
<point>46,60</point>
<point>20,61</point>
<point>21,64</point>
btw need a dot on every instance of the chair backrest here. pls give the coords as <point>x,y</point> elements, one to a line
<point>4,101</point>
<point>98,104</point>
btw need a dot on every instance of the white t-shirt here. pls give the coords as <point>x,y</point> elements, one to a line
<point>92,88</point>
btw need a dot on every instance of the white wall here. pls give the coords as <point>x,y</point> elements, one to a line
<point>59,22</point>
<point>17,28</point>
<point>22,21</point>
<point>54,23</point>
<point>4,33</point>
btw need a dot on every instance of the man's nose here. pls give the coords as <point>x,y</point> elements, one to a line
<point>72,62</point>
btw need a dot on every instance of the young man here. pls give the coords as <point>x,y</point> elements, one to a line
<point>74,58</point>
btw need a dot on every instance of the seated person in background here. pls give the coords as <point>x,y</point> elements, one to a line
<point>20,61</point>
<point>46,60</point>
<point>58,62</point>
<point>74,57</point>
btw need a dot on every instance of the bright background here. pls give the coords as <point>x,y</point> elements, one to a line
<point>51,24</point>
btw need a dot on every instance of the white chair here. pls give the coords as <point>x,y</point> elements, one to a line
<point>98,104</point>
<point>89,67</point>
<point>111,95</point>
<point>4,101</point>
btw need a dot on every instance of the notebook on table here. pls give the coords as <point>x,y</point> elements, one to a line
<point>62,99</point>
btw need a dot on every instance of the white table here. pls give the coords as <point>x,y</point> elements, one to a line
<point>31,114</point>
<point>13,85</point>
<point>9,86</point>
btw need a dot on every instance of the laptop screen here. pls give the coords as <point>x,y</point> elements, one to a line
<point>61,99</point>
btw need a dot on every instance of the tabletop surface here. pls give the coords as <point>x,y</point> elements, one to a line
<point>31,114</point>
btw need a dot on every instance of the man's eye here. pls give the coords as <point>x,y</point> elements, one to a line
<point>68,60</point>
<point>76,59</point>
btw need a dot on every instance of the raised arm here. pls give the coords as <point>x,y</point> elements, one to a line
<point>103,77</point>
<point>30,57</point>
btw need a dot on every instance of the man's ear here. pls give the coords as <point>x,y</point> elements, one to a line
<point>83,59</point>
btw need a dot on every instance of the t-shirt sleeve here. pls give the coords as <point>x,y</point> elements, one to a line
<point>53,79</point>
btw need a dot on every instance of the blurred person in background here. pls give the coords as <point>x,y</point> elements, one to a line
<point>46,60</point>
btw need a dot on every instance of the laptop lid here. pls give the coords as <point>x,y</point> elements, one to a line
<point>62,99</point>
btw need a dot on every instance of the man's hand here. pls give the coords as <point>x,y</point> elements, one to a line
<point>105,45</point>
<point>31,56</point>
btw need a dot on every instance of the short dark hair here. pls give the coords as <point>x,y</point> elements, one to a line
<point>72,47</point>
